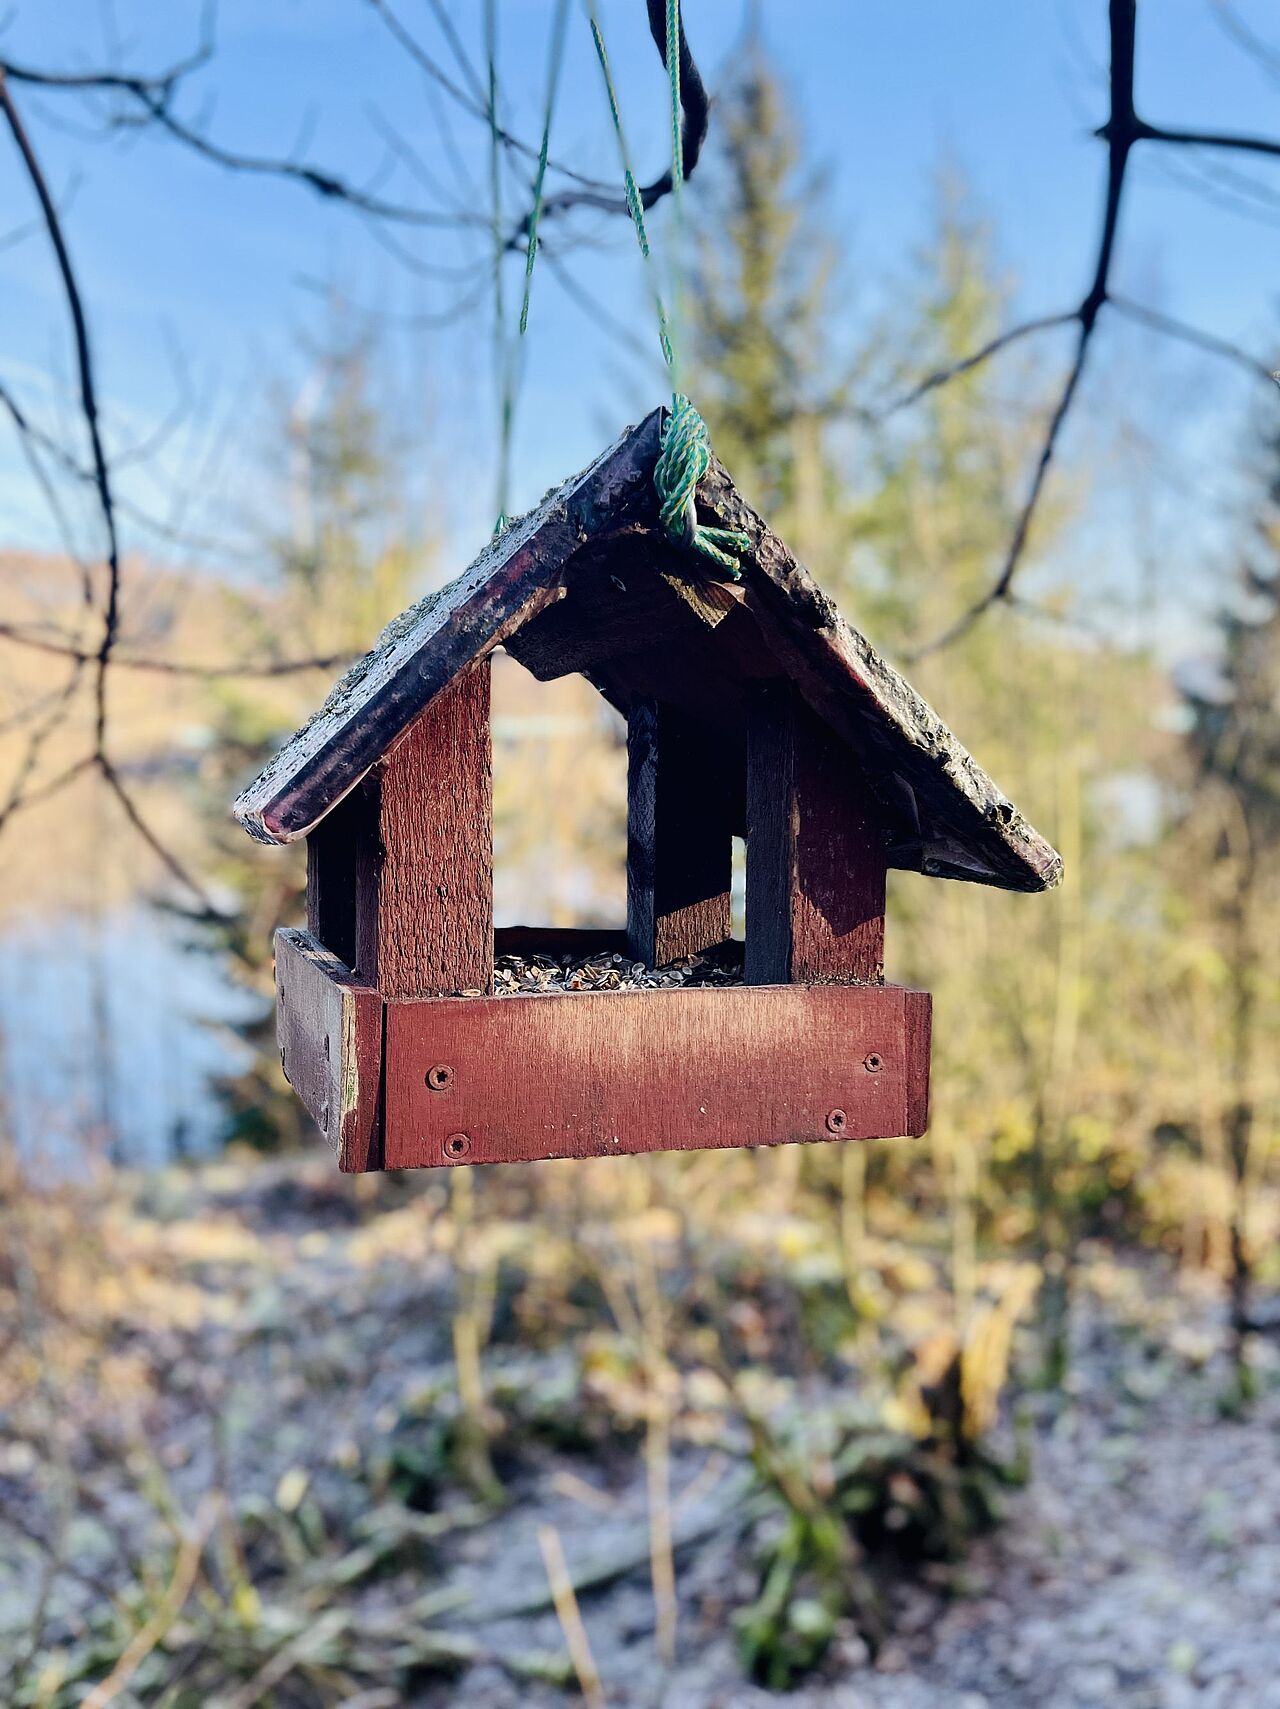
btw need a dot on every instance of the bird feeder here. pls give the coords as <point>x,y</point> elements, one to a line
<point>753,709</point>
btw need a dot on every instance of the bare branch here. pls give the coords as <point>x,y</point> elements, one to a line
<point>67,649</point>
<point>153,99</point>
<point>1121,131</point>
<point>1192,335</point>
<point>88,396</point>
<point>696,116</point>
<point>943,376</point>
<point>1143,132</point>
<point>474,102</point>
<point>167,859</point>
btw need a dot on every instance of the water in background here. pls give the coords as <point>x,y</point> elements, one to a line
<point>111,1028</point>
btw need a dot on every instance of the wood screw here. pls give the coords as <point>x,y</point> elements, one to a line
<point>457,1146</point>
<point>837,1121</point>
<point>873,1063</point>
<point>439,1077</point>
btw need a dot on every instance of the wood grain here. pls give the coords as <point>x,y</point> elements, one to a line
<point>816,852</point>
<point>425,890</point>
<point>329,1028</point>
<point>595,1075</point>
<point>679,836</point>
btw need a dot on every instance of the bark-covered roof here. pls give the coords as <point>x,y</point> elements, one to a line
<point>586,581</point>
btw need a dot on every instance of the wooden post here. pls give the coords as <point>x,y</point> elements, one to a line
<point>816,855</point>
<point>424,881</point>
<point>679,836</point>
<point>331,877</point>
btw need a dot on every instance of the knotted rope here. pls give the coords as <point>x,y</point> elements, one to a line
<point>684,459</point>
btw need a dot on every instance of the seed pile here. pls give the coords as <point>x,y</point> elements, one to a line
<point>518,975</point>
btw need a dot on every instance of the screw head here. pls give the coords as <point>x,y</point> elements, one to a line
<point>873,1062</point>
<point>457,1147</point>
<point>439,1077</point>
<point>837,1121</point>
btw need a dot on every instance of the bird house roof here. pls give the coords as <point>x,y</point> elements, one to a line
<point>588,582</point>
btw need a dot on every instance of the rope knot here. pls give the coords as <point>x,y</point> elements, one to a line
<point>684,458</point>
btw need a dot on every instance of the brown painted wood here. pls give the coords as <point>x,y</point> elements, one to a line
<point>329,1028</point>
<point>816,852</point>
<point>679,836</point>
<point>331,877</point>
<point>425,884</point>
<point>599,1075</point>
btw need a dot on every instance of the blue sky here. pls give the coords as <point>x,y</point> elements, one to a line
<point>176,255</point>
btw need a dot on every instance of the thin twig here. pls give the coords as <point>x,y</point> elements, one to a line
<point>1209,341</point>
<point>943,376</point>
<point>148,1636</point>
<point>175,667</point>
<point>696,116</point>
<point>88,396</point>
<point>154,99</point>
<point>570,1617</point>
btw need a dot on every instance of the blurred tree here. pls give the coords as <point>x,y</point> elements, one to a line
<point>344,567</point>
<point>762,357</point>
<point>1232,826</point>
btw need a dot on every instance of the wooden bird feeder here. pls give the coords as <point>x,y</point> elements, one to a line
<point>753,709</point>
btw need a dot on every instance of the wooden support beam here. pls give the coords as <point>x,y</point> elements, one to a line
<point>816,853</point>
<point>424,884</point>
<point>679,836</point>
<point>332,850</point>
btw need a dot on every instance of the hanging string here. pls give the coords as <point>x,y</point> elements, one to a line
<point>685,445</point>
<point>501,360</point>
<point>555,59</point>
<point>635,206</point>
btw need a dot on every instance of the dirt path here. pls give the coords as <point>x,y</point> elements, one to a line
<point>292,1351</point>
<point>1140,1569</point>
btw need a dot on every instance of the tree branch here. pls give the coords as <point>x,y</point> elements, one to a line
<point>1121,133</point>
<point>88,398</point>
<point>943,376</point>
<point>696,116</point>
<point>154,98</point>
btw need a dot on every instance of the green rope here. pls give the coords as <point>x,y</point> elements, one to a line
<point>685,453</point>
<point>673,74</point>
<point>555,58</point>
<point>635,206</point>
<point>502,362</point>
<point>684,459</point>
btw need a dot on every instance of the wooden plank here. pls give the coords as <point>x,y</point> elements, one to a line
<point>679,836</point>
<point>816,852</point>
<point>919,1017</point>
<point>425,887</point>
<point>509,1079</point>
<point>329,1028</point>
<point>331,877</point>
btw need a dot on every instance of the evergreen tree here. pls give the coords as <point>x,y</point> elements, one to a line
<point>343,568</point>
<point>1232,823</point>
